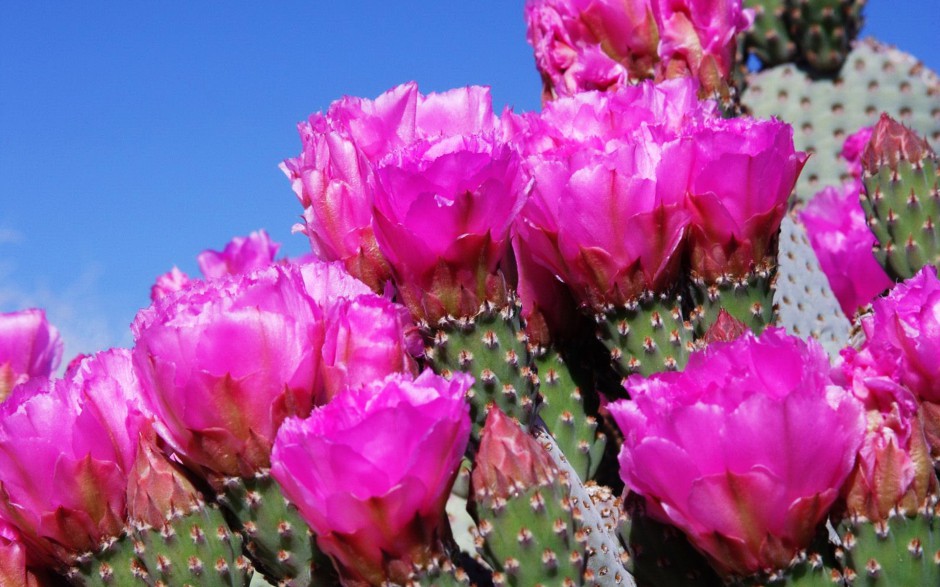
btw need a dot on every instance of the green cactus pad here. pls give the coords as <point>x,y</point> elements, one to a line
<point>903,209</point>
<point>532,538</point>
<point>277,538</point>
<point>646,336</point>
<point>491,346</point>
<point>749,299</point>
<point>116,563</point>
<point>875,78</point>
<point>600,518</point>
<point>769,38</point>
<point>805,303</point>
<point>563,411</point>
<point>899,552</point>
<point>823,31</point>
<point>195,549</point>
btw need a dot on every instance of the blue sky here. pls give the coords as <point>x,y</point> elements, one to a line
<point>132,138</point>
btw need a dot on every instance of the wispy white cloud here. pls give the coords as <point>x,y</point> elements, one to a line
<point>10,235</point>
<point>75,308</point>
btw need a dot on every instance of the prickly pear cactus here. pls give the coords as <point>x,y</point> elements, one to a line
<point>875,79</point>
<point>823,30</point>
<point>806,305</point>
<point>192,549</point>
<point>196,549</point>
<point>902,204</point>
<point>563,411</point>
<point>491,346</point>
<point>749,299</point>
<point>901,551</point>
<point>769,37</point>
<point>646,336</point>
<point>277,538</point>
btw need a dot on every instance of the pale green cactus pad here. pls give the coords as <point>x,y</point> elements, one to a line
<point>805,303</point>
<point>875,78</point>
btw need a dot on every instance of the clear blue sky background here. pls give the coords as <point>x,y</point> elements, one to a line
<point>133,137</point>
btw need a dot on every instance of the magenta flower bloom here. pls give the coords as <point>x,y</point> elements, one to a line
<point>591,44</point>
<point>371,471</point>
<point>698,39</point>
<point>597,165</point>
<point>585,45</point>
<point>29,347</point>
<point>741,173</point>
<point>241,255</point>
<point>894,468</point>
<point>224,362</point>
<point>722,449</point>
<point>421,188</point>
<point>839,234</point>
<point>903,333</point>
<point>444,204</point>
<point>366,338</point>
<point>66,450</point>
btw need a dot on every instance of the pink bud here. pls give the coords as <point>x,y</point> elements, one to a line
<point>894,469</point>
<point>892,142</point>
<point>371,471</point>
<point>509,461</point>
<point>721,449</point>
<point>29,347</point>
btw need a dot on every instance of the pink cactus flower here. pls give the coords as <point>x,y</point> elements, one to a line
<point>169,283</point>
<point>583,45</point>
<point>698,39</point>
<point>29,347</point>
<point>894,468</point>
<point>241,255</point>
<point>591,44</point>
<point>444,204</point>
<point>597,165</point>
<point>741,174</point>
<point>66,450</point>
<point>721,449</point>
<point>842,241</point>
<point>903,333</point>
<point>225,361</point>
<point>372,470</point>
<point>419,188</point>
<point>366,338</point>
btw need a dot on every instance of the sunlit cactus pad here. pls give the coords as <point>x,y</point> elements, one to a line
<point>875,78</point>
<point>805,302</point>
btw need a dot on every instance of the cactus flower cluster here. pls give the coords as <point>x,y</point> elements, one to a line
<point>536,348</point>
